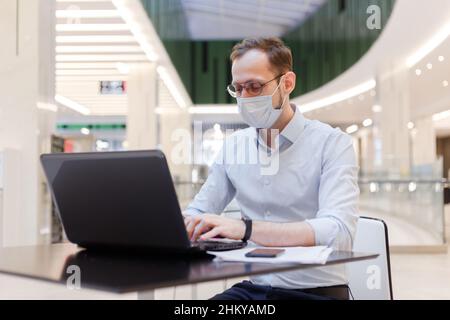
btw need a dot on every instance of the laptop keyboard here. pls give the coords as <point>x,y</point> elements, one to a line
<point>211,245</point>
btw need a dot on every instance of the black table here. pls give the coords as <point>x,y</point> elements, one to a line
<point>122,273</point>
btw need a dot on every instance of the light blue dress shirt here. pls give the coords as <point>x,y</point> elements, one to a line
<point>312,177</point>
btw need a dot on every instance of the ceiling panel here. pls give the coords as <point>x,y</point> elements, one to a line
<point>237,19</point>
<point>92,40</point>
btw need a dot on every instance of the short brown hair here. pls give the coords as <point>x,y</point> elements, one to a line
<point>280,56</point>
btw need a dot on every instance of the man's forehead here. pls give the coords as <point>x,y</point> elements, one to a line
<point>253,64</point>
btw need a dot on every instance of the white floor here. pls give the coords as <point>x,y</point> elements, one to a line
<point>421,276</point>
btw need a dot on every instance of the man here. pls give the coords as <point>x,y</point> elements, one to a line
<point>310,200</point>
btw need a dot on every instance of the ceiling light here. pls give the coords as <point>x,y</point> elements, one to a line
<point>352,129</point>
<point>87,14</point>
<point>377,108</point>
<point>418,72</point>
<point>341,96</point>
<point>95,49</point>
<point>441,58</point>
<point>95,39</point>
<point>439,37</point>
<point>82,0</point>
<point>367,122</point>
<point>85,131</point>
<point>429,66</point>
<point>441,115</point>
<point>72,104</point>
<point>87,72</point>
<point>94,79</point>
<point>411,125</point>
<point>91,27</point>
<point>85,65</point>
<point>445,83</point>
<point>99,57</point>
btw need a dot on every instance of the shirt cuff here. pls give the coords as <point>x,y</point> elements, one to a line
<point>192,212</point>
<point>325,231</point>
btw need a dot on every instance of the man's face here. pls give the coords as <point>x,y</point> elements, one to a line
<point>254,66</point>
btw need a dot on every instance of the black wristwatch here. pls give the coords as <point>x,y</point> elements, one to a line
<point>248,229</point>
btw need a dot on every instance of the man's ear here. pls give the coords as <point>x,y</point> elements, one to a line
<point>289,81</point>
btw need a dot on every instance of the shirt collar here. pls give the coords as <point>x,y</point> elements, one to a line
<point>292,131</point>
<point>295,127</point>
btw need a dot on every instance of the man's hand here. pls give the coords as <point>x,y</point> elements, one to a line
<point>207,226</point>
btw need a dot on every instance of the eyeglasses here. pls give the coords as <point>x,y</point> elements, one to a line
<point>253,88</point>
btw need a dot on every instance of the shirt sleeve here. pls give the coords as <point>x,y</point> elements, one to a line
<point>335,222</point>
<point>216,193</point>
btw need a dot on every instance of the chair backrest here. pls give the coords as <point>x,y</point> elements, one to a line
<point>371,279</point>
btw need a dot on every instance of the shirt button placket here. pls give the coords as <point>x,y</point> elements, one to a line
<point>266,182</point>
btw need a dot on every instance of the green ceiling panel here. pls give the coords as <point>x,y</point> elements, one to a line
<point>326,45</point>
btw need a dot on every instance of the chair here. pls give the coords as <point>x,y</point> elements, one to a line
<point>371,279</point>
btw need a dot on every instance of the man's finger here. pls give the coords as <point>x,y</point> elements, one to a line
<point>187,220</point>
<point>211,234</point>
<point>202,227</point>
<point>191,226</point>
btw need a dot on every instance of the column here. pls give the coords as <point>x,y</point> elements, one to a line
<point>391,143</point>
<point>142,92</point>
<point>27,115</point>
<point>423,143</point>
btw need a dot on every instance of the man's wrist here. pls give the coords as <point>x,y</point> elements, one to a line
<point>241,229</point>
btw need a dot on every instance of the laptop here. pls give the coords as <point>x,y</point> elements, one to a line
<point>121,200</point>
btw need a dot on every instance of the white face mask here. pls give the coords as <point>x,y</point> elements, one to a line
<point>258,111</point>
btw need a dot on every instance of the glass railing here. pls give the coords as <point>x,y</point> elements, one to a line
<point>412,208</point>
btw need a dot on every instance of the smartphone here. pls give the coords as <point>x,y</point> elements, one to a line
<point>264,253</point>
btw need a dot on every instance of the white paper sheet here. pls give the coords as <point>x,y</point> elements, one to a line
<point>306,255</point>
